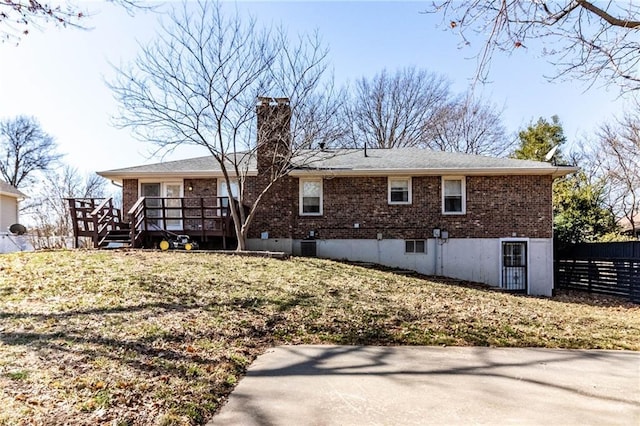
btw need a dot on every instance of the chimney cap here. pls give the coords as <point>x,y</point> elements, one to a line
<point>269,101</point>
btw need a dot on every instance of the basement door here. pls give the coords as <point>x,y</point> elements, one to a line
<point>514,266</point>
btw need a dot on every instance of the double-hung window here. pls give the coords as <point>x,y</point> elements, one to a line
<point>310,197</point>
<point>399,190</point>
<point>454,195</point>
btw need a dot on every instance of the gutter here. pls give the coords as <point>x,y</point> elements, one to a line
<point>118,177</point>
<point>551,171</point>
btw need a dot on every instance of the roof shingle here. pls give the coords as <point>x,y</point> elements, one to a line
<point>353,161</point>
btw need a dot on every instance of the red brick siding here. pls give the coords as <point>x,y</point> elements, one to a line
<point>200,188</point>
<point>497,206</point>
<point>276,212</point>
<point>129,194</point>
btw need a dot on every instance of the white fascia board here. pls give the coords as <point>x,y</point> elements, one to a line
<point>552,171</point>
<point>14,195</point>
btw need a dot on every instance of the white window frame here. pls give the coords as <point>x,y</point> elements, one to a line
<point>301,195</point>
<point>409,195</point>
<point>163,186</point>
<point>222,183</point>
<point>463,189</point>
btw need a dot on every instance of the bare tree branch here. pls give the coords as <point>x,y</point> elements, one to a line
<point>19,17</point>
<point>619,158</point>
<point>198,81</point>
<point>47,207</point>
<point>24,150</point>
<point>391,110</point>
<point>583,40</point>
<point>471,126</point>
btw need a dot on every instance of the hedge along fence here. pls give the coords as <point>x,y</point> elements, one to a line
<point>602,268</point>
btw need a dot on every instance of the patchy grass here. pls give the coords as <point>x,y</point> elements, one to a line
<point>139,338</point>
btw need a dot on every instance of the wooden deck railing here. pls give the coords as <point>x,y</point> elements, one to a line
<point>197,216</point>
<point>80,210</point>
<point>105,218</point>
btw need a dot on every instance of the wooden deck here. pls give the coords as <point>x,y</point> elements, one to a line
<point>152,219</point>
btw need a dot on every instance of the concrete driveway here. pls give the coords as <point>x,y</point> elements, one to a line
<point>353,385</point>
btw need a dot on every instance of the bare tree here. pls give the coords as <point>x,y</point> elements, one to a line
<point>390,110</point>
<point>25,149</point>
<point>48,208</point>
<point>198,82</point>
<point>19,17</point>
<point>471,126</point>
<point>583,39</point>
<point>619,158</point>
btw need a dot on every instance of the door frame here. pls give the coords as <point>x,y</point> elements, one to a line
<point>180,195</point>
<point>527,259</point>
<point>163,194</point>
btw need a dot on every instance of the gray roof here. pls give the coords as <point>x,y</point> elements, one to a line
<point>414,161</point>
<point>192,166</point>
<point>11,191</point>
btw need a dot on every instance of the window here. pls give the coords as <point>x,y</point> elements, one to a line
<point>453,195</point>
<point>415,246</point>
<point>311,197</point>
<point>222,191</point>
<point>164,207</point>
<point>399,190</point>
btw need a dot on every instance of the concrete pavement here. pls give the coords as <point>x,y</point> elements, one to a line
<point>354,385</point>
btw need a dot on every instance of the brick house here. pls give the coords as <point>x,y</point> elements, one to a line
<point>464,216</point>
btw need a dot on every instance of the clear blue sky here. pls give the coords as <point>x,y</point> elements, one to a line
<point>58,75</point>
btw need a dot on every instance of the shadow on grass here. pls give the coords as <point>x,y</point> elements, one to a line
<point>562,296</point>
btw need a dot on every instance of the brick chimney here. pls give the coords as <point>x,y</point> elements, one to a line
<point>274,133</point>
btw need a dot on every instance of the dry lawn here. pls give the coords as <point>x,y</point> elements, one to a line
<point>142,338</point>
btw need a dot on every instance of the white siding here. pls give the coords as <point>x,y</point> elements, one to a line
<point>8,212</point>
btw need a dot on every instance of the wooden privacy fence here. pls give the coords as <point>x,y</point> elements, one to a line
<point>602,268</point>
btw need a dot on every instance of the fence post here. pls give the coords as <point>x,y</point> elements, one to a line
<point>589,273</point>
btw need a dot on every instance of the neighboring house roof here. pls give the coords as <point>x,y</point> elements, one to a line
<point>10,191</point>
<point>353,162</point>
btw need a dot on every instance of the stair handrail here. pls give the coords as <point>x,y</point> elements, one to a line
<point>136,217</point>
<point>103,220</point>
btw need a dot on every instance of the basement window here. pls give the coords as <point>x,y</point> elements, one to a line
<point>415,246</point>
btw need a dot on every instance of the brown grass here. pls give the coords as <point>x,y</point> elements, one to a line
<point>138,338</point>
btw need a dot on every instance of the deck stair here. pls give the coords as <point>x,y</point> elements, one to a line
<point>99,219</point>
<point>120,237</point>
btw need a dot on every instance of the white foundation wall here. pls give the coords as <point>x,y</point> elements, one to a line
<point>271,244</point>
<point>470,259</point>
<point>11,243</point>
<point>384,252</point>
<point>541,266</point>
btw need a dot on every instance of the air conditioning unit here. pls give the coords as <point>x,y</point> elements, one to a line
<point>308,248</point>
